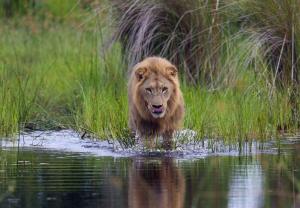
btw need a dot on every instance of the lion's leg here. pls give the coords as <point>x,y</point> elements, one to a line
<point>167,139</point>
<point>149,141</point>
<point>149,134</point>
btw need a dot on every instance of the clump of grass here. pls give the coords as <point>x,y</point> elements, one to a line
<point>54,79</point>
<point>19,88</point>
<point>9,112</point>
<point>186,32</point>
<point>275,26</point>
<point>34,76</point>
<point>235,116</point>
<point>103,96</point>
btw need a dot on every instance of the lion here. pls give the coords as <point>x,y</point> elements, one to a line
<point>156,105</point>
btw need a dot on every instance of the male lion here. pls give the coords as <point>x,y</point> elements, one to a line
<point>156,106</point>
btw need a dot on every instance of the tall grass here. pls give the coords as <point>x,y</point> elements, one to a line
<point>275,26</point>
<point>54,79</point>
<point>54,75</point>
<point>193,34</point>
<point>205,39</point>
<point>186,32</point>
<point>103,97</point>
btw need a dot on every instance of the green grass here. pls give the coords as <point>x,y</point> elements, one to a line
<point>235,116</point>
<point>53,76</point>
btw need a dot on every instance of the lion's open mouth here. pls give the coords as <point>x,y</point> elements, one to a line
<point>157,110</point>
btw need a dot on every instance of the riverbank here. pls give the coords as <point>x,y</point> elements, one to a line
<point>53,75</point>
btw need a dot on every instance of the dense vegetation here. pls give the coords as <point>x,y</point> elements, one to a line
<point>63,64</point>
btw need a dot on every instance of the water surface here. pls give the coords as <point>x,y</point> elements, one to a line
<point>32,177</point>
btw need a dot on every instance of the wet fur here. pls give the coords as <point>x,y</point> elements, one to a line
<point>140,119</point>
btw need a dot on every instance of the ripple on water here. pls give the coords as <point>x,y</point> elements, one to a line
<point>185,145</point>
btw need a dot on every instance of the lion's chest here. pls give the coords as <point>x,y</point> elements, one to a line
<point>150,127</point>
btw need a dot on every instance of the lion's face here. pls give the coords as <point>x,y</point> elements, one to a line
<point>156,87</point>
<point>156,92</point>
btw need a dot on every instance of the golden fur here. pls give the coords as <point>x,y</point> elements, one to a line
<point>156,106</point>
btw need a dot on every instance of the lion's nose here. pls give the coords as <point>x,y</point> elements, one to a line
<point>157,106</point>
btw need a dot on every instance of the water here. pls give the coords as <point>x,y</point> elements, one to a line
<point>87,173</point>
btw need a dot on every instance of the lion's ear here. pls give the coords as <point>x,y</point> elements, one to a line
<point>140,73</point>
<point>172,70</point>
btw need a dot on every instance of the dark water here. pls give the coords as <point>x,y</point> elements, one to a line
<point>34,178</point>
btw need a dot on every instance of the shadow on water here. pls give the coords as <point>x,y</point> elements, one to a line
<point>34,177</point>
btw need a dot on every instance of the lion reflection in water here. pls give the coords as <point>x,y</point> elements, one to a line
<point>155,183</point>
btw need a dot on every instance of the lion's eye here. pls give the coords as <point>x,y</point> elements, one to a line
<point>149,90</point>
<point>164,89</point>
